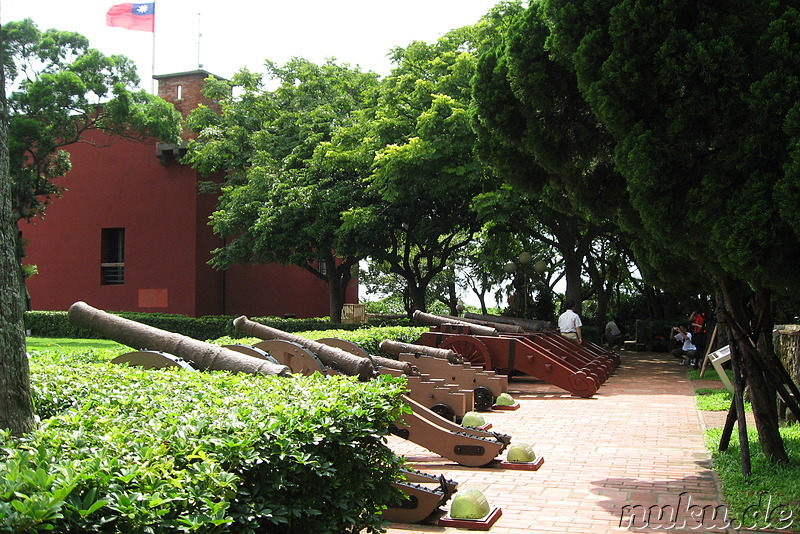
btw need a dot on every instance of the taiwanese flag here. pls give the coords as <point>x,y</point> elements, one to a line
<point>133,16</point>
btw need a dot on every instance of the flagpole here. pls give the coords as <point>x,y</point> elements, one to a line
<point>153,59</point>
<point>199,38</point>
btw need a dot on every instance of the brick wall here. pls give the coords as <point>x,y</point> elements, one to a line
<point>185,90</point>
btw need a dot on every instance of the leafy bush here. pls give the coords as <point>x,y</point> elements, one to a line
<point>368,339</point>
<point>126,450</point>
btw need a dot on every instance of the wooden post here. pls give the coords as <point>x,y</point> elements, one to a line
<point>727,430</point>
<point>709,346</point>
<point>738,401</point>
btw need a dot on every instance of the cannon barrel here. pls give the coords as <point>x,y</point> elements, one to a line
<point>331,356</point>
<point>396,348</point>
<point>140,336</point>
<point>474,329</point>
<point>529,325</point>
<point>500,327</point>
<point>407,368</point>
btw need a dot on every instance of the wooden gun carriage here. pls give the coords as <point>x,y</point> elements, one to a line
<point>577,368</point>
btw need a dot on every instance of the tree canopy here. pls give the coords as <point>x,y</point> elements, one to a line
<point>279,202</point>
<point>696,106</point>
<point>424,173</point>
<point>58,88</point>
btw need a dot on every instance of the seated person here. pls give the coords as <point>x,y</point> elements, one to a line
<point>613,333</point>
<point>698,328</point>
<point>687,350</point>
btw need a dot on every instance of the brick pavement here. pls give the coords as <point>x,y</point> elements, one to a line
<point>637,443</point>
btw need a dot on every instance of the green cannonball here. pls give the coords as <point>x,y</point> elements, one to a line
<point>520,453</point>
<point>469,504</point>
<point>504,399</point>
<point>473,419</point>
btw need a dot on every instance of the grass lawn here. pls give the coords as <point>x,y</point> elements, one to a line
<point>71,345</point>
<point>770,497</point>
<point>714,399</point>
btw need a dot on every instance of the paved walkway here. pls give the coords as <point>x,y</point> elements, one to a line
<point>638,443</point>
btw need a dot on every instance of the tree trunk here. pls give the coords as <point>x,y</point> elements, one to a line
<point>572,276</point>
<point>16,409</point>
<point>669,306</point>
<point>338,278</point>
<point>603,300</point>
<point>452,298</point>
<point>337,288</point>
<point>417,295</point>
<point>762,390</point>
<point>336,302</point>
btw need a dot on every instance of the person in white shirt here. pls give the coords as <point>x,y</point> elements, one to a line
<point>613,333</point>
<point>569,323</point>
<point>687,351</point>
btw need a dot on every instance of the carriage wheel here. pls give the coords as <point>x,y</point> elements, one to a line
<point>443,410</point>
<point>295,357</point>
<point>473,350</point>
<point>483,398</point>
<point>347,346</point>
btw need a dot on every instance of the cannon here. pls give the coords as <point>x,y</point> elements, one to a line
<point>336,358</point>
<point>387,365</point>
<point>527,325</point>
<point>546,355</point>
<point>446,399</point>
<point>152,341</point>
<point>396,348</point>
<point>436,320</point>
<point>447,364</point>
<point>425,494</point>
<point>500,327</point>
<point>449,396</point>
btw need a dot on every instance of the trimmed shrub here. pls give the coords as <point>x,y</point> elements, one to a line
<point>127,450</point>
<point>368,339</point>
<point>56,324</point>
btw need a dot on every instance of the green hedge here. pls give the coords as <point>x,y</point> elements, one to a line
<point>56,324</point>
<point>126,450</point>
<point>368,339</point>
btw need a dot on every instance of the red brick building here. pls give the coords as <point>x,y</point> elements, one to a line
<point>131,233</point>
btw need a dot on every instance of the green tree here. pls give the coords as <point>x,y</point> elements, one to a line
<point>538,134</point>
<point>546,218</point>
<point>61,89</point>
<point>423,174</point>
<point>701,102</point>
<point>281,202</point>
<point>481,263</point>
<point>54,90</point>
